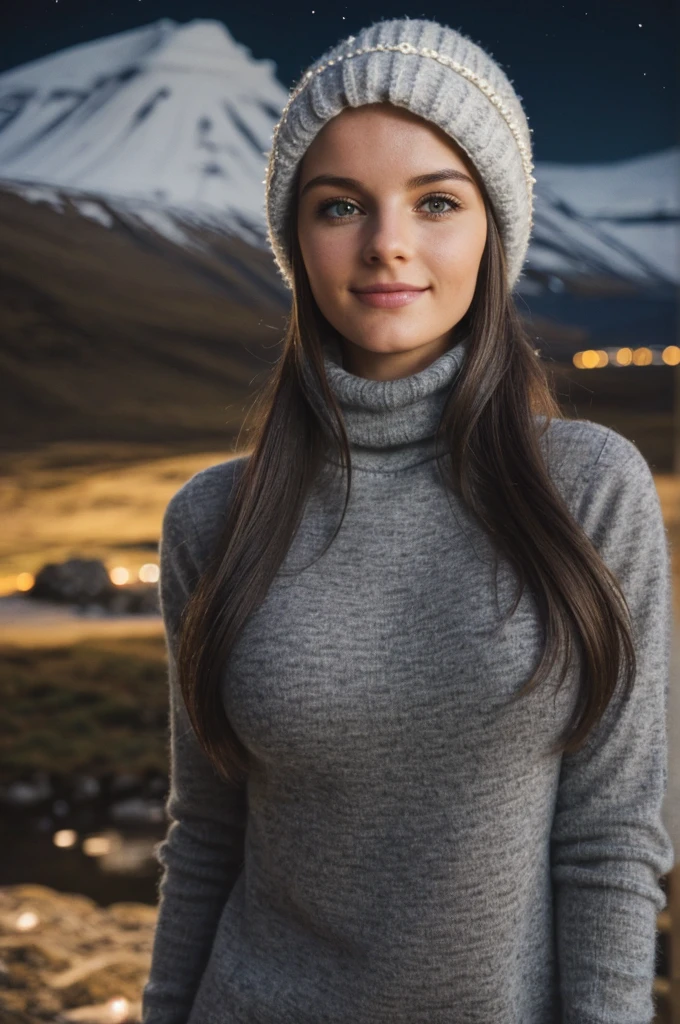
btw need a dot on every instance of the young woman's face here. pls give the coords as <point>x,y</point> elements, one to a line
<point>382,227</point>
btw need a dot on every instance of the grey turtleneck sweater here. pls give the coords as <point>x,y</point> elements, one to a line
<point>405,851</point>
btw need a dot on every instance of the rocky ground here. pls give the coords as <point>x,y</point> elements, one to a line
<point>63,958</point>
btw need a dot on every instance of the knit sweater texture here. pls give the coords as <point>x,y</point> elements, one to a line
<point>404,849</point>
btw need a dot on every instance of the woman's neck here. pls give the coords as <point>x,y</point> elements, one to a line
<point>391,424</point>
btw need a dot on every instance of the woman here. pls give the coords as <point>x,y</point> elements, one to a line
<point>406,785</point>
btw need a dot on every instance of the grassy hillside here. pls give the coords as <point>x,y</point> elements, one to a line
<point>95,707</point>
<point>116,334</point>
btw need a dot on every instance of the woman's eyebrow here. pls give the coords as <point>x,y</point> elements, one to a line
<point>446,174</point>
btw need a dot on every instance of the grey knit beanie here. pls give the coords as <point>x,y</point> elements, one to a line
<point>435,72</point>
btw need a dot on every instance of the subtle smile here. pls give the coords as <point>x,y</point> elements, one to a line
<point>389,296</point>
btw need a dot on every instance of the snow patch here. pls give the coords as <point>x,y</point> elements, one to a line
<point>160,222</point>
<point>93,211</point>
<point>36,194</point>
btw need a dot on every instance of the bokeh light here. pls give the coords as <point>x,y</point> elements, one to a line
<point>149,573</point>
<point>27,920</point>
<point>642,356</point>
<point>596,359</point>
<point>96,846</point>
<point>118,1009</point>
<point>25,581</point>
<point>65,837</point>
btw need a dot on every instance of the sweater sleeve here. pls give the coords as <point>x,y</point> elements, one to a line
<point>609,846</point>
<point>202,853</point>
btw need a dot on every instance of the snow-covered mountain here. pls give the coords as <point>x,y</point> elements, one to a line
<point>619,220</point>
<point>169,125</point>
<point>168,117</point>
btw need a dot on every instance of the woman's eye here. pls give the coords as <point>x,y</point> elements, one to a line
<point>346,204</point>
<point>442,201</point>
<point>336,202</point>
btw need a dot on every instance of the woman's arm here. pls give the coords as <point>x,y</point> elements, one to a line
<point>609,845</point>
<point>202,854</point>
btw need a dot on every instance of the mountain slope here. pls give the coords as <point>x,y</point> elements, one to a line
<point>119,335</point>
<point>618,221</point>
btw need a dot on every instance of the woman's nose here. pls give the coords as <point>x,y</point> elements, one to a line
<point>387,236</point>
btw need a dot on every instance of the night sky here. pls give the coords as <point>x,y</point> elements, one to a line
<point>600,81</point>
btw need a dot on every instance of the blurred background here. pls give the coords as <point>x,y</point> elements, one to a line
<point>141,311</point>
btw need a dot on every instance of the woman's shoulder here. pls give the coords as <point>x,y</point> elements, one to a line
<point>198,509</point>
<point>578,451</point>
<point>208,488</point>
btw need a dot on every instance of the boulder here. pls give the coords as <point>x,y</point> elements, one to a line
<point>77,581</point>
<point>85,583</point>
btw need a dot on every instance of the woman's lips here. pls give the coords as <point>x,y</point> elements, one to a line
<point>389,300</point>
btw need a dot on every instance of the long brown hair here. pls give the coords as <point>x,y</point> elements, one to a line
<point>496,466</point>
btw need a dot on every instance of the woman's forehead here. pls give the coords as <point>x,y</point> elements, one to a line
<point>383,127</point>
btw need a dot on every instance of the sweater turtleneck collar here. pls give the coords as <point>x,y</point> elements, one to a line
<point>391,424</point>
